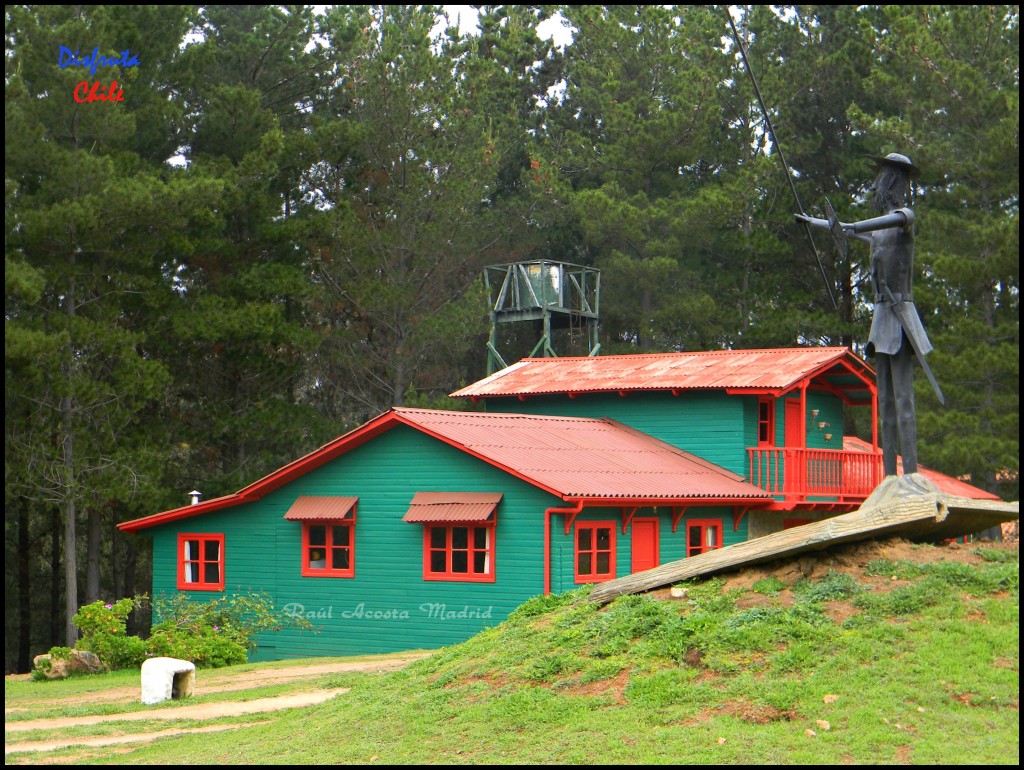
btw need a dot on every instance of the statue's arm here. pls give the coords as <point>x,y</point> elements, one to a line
<point>824,225</point>
<point>812,221</point>
<point>898,218</point>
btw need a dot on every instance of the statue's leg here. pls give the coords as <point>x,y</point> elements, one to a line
<point>902,366</point>
<point>887,413</point>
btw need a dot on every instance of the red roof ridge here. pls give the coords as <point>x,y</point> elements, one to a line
<point>681,353</point>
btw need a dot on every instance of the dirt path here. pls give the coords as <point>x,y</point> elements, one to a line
<point>201,711</point>
<point>116,740</point>
<point>221,682</point>
<point>214,682</point>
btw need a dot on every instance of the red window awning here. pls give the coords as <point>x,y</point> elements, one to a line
<point>459,507</point>
<point>314,508</point>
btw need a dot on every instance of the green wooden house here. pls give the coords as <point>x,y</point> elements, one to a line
<point>422,527</point>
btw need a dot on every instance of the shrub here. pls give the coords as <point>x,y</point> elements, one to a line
<point>206,647</point>
<point>103,626</point>
<point>214,633</point>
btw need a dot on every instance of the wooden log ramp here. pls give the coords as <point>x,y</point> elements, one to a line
<point>928,516</point>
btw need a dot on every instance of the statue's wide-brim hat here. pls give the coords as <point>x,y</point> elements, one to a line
<point>901,161</point>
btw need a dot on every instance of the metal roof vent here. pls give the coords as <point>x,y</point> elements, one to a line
<point>196,496</point>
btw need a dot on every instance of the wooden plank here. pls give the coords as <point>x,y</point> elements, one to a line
<point>932,516</point>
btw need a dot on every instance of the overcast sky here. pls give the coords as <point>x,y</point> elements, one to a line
<point>466,16</point>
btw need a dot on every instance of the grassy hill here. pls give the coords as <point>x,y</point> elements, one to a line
<point>874,653</point>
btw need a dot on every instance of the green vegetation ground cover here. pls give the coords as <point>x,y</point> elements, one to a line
<point>928,677</point>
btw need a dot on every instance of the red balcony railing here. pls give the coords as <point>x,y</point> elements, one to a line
<point>825,475</point>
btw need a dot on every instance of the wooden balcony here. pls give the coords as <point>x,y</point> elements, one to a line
<point>827,476</point>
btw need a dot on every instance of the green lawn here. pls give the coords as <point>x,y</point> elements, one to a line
<point>830,671</point>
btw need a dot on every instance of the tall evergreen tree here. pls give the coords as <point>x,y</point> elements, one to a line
<point>409,166</point>
<point>84,215</point>
<point>645,142</point>
<point>241,335</point>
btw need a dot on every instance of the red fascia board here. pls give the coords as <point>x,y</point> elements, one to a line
<point>269,483</point>
<point>647,502</point>
<point>751,391</point>
<point>180,513</point>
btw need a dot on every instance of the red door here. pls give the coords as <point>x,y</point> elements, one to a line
<point>794,424</point>
<point>645,544</point>
<point>795,473</point>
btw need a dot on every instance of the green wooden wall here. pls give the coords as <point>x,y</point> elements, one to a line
<point>710,424</point>
<point>388,606</point>
<point>671,545</point>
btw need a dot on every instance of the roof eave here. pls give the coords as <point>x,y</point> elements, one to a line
<point>272,481</point>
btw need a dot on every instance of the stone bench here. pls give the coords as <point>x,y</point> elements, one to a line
<point>167,678</point>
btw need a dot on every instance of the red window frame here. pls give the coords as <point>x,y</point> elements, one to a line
<point>586,560</point>
<point>333,552</point>
<point>461,552</point>
<point>701,528</point>
<point>766,422</point>
<point>209,568</point>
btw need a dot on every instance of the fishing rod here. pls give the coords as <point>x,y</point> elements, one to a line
<point>782,158</point>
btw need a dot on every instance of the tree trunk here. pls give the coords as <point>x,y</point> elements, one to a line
<point>67,416</point>
<point>70,572</point>
<point>23,663</point>
<point>117,561</point>
<point>55,613</point>
<point>92,555</point>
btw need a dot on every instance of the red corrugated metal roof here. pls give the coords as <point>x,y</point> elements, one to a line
<point>946,484</point>
<point>310,508</point>
<point>768,370</point>
<point>569,457</point>
<point>452,506</point>
<point>576,457</point>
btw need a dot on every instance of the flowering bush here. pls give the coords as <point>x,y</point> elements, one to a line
<point>103,626</point>
<point>214,633</point>
<point>218,632</point>
<point>206,647</point>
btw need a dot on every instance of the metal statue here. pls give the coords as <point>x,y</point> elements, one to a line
<point>897,335</point>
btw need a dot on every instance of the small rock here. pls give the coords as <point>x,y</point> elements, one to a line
<point>677,592</point>
<point>830,698</point>
<point>824,725</point>
<point>80,661</point>
<point>721,739</point>
<point>809,733</point>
